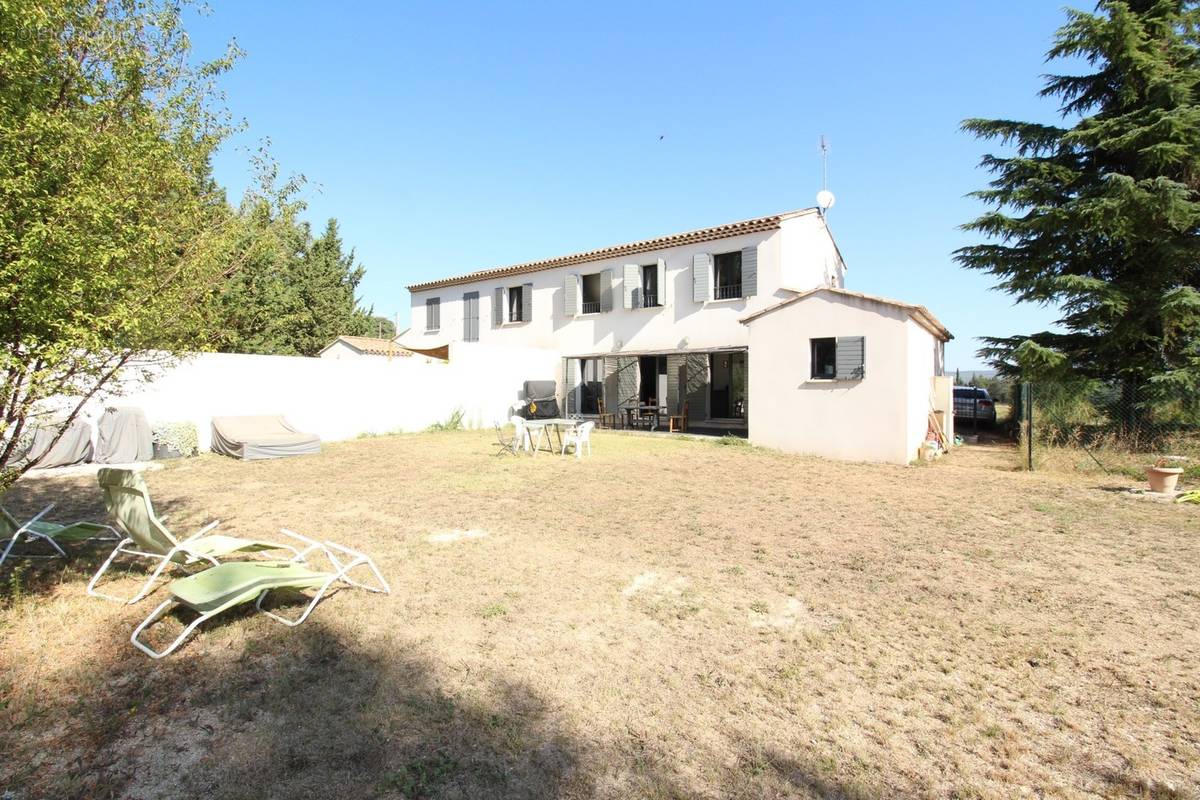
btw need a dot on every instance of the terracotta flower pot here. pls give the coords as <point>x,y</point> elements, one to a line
<point>1163,479</point>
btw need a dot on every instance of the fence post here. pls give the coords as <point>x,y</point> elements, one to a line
<point>1027,422</point>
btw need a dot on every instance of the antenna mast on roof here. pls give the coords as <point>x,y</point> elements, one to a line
<point>825,198</point>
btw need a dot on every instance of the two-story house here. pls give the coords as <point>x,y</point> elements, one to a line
<point>668,321</point>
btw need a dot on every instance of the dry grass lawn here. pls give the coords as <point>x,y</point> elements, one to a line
<point>669,618</point>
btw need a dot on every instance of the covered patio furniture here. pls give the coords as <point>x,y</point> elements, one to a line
<point>73,447</point>
<point>128,501</point>
<point>541,401</point>
<point>265,436</point>
<point>49,532</point>
<point>223,587</point>
<point>123,436</point>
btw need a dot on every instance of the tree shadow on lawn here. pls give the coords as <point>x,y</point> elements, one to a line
<point>79,499</point>
<point>75,500</point>
<point>299,713</point>
<point>313,713</point>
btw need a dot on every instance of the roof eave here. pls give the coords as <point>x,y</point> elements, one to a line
<point>714,233</point>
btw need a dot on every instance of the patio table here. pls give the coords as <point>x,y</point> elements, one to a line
<point>643,411</point>
<point>555,425</point>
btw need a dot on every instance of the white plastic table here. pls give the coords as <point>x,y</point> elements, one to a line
<point>555,424</point>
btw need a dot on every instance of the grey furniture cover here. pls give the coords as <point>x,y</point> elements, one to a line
<point>266,436</point>
<point>73,447</point>
<point>123,436</point>
<point>543,394</point>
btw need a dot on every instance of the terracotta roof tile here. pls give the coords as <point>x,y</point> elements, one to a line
<point>644,246</point>
<point>920,314</point>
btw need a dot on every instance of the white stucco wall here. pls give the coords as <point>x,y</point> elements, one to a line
<point>873,419</point>
<point>339,398</point>
<point>680,324</point>
<point>921,367</point>
<point>808,255</point>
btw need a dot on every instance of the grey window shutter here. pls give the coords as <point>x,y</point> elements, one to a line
<point>571,295</point>
<point>662,282</point>
<point>851,358</point>
<point>527,302</point>
<point>695,384</point>
<point>606,280</point>
<point>471,317</point>
<point>633,286</point>
<point>498,307</point>
<point>572,388</point>
<point>612,398</point>
<point>433,314</point>
<point>749,271</point>
<point>627,380</point>
<point>675,363</point>
<point>701,281</point>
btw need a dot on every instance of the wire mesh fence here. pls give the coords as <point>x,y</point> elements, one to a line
<point>1095,426</point>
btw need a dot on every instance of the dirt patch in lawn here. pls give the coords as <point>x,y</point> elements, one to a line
<point>668,618</point>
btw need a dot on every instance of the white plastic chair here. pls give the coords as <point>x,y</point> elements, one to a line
<point>579,436</point>
<point>520,435</point>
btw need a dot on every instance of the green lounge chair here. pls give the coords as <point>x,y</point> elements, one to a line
<point>49,532</point>
<point>225,586</point>
<point>128,501</point>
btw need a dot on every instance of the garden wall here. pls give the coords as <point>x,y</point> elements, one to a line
<point>338,398</point>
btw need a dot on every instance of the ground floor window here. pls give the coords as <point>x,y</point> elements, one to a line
<point>591,385</point>
<point>728,392</point>
<point>652,386</point>
<point>824,358</point>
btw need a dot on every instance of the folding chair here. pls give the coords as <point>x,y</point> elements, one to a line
<point>49,532</point>
<point>223,587</point>
<point>128,501</point>
<point>507,444</point>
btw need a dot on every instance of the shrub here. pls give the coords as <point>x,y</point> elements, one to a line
<point>178,436</point>
<point>454,422</point>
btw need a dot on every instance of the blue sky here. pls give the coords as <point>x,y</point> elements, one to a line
<point>452,137</point>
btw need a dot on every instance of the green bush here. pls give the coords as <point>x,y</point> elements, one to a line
<point>178,436</point>
<point>454,422</point>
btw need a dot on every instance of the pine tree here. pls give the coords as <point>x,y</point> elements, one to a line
<point>1101,217</point>
<point>296,294</point>
<point>324,280</point>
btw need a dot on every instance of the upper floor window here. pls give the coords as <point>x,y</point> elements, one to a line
<point>650,289</point>
<point>727,275</point>
<point>433,314</point>
<point>516,305</point>
<point>590,292</point>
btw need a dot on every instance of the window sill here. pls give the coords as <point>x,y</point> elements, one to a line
<point>725,300</point>
<point>648,308</point>
<point>432,330</point>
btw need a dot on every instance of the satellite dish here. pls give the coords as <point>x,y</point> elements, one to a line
<point>825,199</point>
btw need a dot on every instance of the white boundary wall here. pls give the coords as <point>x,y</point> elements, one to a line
<point>338,398</point>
